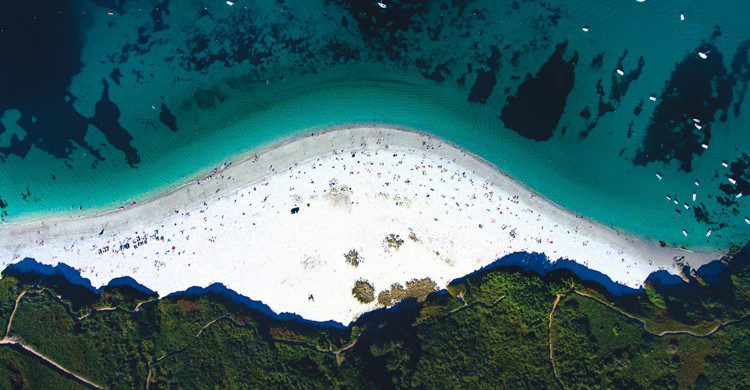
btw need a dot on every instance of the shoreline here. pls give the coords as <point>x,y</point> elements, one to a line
<point>222,247</point>
<point>166,190</point>
<point>205,173</point>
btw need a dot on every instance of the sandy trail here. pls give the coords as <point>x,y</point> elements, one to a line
<point>275,225</point>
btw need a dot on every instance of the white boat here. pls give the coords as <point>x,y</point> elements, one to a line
<point>669,198</point>
<point>684,232</point>
<point>702,55</point>
<point>382,5</point>
<point>697,126</point>
<point>725,164</point>
<point>695,196</point>
<point>747,220</point>
<point>696,120</point>
<point>620,72</point>
<point>738,196</point>
<point>585,28</point>
<point>697,183</point>
<point>682,17</point>
<point>708,233</point>
<point>658,175</point>
<point>230,3</point>
<point>675,201</point>
<point>704,146</point>
<point>734,182</point>
<point>652,98</point>
<point>686,206</point>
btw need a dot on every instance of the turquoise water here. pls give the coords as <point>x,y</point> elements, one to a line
<point>238,77</point>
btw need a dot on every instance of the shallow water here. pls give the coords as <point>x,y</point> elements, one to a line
<point>124,104</point>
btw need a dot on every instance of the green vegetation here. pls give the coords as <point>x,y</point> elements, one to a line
<point>393,241</point>
<point>352,258</point>
<point>363,291</point>
<point>19,370</point>
<point>498,328</point>
<point>417,289</point>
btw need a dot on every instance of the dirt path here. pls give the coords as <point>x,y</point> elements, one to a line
<point>200,331</point>
<point>666,332</point>
<point>96,311</point>
<point>334,352</point>
<point>467,305</point>
<point>167,354</point>
<point>73,314</point>
<point>138,306</point>
<point>551,354</point>
<point>148,376</point>
<point>13,341</point>
<point>48,361</point>
<point>337,353</point>
<point>13,313</point>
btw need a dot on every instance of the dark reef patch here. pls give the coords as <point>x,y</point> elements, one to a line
<point>602,108</point>
<point>46,46</point>
<point>698,88</point>
<point>638,108</point>
<point>3,211</point>
<point>515,59</point>
<point>630,130</point>
<point>239,38</point>
<point>157,15</point>
<point>585,113</point>
<point>620,84</point>
<point>741,74</point>
<point>26,195</point>
<point>115,75</point>
<point>115,5</point>
<point>341,52</point>
<point>205,99</point>
<point>142,45</point>
<point>386,30</point>
<point>166,117</point>
<point>437,73</point>
<point>462,79</point>
<point>619,87</point>
<point>106,118</point>
<point>598,61</point>
<point>535,110</point>
<point>700,213</point>
<point>486,79</point>
<point>483,86</point>
<point>739,170</point>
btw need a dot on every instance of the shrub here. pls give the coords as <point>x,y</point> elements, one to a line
<point>363,291</point>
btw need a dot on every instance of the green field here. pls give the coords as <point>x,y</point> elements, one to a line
<point>498,328</point>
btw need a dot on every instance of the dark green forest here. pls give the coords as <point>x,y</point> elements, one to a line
<point>501,327</point>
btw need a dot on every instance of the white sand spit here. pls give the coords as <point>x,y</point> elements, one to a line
<point>276,227</point>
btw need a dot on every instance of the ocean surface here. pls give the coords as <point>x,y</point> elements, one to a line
<point>105,102</point>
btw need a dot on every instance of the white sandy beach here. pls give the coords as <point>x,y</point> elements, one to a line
<point>353,187</point>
